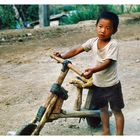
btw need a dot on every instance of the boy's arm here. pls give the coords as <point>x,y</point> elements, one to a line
<point>102,66</point>
<point>88,72</point>
<point>70,53</point>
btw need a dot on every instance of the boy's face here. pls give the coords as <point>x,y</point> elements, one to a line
<point>104,29</point>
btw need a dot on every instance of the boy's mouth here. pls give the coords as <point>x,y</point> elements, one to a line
<point>101,35</point>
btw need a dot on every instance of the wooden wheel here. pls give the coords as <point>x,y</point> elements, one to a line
<point>91,121</point>
<point>27,129</point>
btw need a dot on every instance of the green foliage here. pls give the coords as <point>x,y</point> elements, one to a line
<point>89,12</point>
<point>7,15</point>
<point>138,8</point>
<point>75,14</point>
<point>56,9</point>
<point>80,13</point>
<point>28,12</point>
<point>7,19</point>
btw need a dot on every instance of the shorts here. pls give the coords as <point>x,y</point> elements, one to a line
<point>102,96</point>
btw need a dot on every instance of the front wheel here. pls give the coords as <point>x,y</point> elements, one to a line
<point>27,129</point>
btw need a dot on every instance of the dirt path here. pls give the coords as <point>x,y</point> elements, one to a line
<point>27,73</point>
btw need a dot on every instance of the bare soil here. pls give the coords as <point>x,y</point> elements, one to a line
<point>27,73</point>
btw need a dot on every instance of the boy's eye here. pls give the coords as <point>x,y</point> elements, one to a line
<point>108,28</point>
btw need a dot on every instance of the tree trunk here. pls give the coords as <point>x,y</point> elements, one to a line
<point>17,15</point>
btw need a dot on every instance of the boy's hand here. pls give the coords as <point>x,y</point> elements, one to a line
<point>57,54</point>
<point>88,73</point>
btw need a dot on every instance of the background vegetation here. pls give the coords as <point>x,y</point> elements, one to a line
<point>29,13</point>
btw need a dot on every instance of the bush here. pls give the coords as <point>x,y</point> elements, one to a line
<point>81,13</point>
<point>30,12</point>
<point>86,12</point>
<point>7,15</point>
<point>7,19</point>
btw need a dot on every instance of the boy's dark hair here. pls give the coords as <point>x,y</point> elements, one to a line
<point>111,16</point>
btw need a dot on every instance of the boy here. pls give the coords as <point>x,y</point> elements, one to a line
<point>107,87</point>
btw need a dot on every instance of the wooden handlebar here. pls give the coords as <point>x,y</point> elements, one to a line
<point>70,66</point>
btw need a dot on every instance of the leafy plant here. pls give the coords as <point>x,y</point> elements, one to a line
<point>7,19</point>
<point>79,14</point>
<point>88,12</point>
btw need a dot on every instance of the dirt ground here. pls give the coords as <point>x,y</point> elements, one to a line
<point>27,73</point>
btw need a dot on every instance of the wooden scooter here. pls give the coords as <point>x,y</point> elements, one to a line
<point>52,109</point>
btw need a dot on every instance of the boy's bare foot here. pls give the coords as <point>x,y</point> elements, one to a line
<point>106,133</point>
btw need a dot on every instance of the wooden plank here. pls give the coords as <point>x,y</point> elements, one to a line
<point>76,114</point>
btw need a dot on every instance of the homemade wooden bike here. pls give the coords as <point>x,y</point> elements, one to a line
<point>52,109</point>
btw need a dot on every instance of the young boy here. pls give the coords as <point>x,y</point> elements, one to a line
<point>107,87</point>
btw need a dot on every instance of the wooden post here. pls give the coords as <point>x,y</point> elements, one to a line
<point>78,100</point>
<point>80,84</point>
<point>88,103</point>
<point>44,15</point>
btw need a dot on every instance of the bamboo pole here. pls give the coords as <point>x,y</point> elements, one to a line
<point>70,66</point>
<point>45,116</point>
<point>53,102</point>
<point>58,106</point>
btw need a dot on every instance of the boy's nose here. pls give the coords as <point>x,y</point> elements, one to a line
<point>102,30</point>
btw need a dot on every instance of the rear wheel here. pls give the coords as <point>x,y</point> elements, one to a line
<point>92,121</point>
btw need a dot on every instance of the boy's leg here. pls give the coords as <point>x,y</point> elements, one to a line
<point>105,120</point>
<point>119,118</point>
<point>116,104</point>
